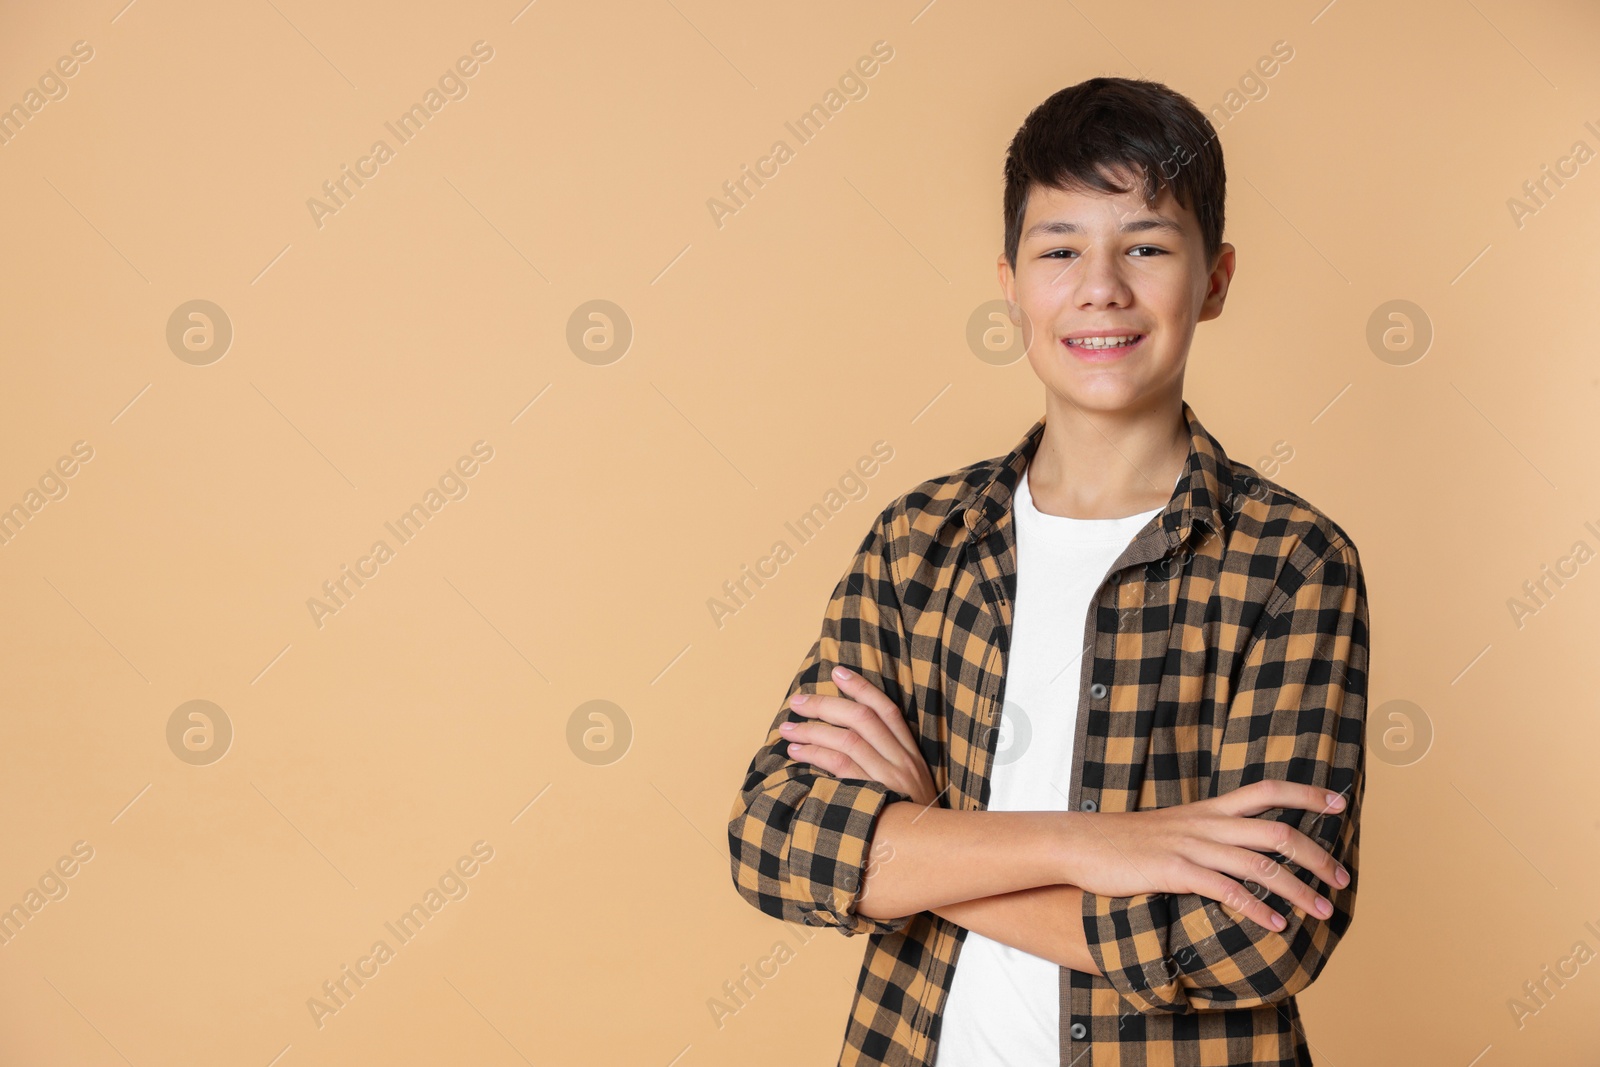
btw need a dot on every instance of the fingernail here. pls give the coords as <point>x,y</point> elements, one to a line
<point>1335,800</point>
<point>1341,876</point>
<point>786,726</point>
<point>842,673</point>
<point>794,750</point>
<point>1277,922</point>
<point>799,698</point>
<point>1324,909</point>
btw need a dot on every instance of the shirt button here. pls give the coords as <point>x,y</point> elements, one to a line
<point>1098,690</point>
<point>1079,1031</point>
<point>1089,805</point>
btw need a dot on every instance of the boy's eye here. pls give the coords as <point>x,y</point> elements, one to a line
<point>1150,248</point>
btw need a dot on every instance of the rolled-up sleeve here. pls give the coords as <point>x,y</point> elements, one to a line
<point>799,838</point>
<point>1298,713</point>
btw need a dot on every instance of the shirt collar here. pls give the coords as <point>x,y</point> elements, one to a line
<point>1197,499</point>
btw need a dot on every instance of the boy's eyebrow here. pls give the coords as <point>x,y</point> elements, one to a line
<point>1054,227</point>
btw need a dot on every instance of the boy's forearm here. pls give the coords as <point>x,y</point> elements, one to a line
<point>932,857</point>
<point>995,872</point>
<point>1046,921</point>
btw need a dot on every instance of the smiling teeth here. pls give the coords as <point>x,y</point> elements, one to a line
<point>1106,342</point>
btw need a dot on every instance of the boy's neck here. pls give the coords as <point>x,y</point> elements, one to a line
<point>1108,465</point>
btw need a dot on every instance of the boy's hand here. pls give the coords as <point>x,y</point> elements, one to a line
<point>864,736</point>
<point>1195,847</point>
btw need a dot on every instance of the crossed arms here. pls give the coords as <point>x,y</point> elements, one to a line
<point>1180,909</point>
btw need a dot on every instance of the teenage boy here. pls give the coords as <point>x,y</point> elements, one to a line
<point>1162,850</point>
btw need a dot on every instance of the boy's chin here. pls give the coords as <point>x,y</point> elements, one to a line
<point>1103,397</point>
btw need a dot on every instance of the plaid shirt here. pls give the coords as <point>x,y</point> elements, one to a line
<point>1228,643</point>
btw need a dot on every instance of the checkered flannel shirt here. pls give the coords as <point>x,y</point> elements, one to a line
<point>1227,644</point>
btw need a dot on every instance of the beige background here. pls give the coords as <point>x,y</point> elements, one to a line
<point>431,312</point>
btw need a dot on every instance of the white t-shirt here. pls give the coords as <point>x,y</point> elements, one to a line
<point>1004,1005</point>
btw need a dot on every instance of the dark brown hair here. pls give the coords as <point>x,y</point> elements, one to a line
<point>1080,132</point>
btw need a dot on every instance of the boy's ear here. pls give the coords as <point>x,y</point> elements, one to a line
<point>1217,283</point>
<point>1008,280</point>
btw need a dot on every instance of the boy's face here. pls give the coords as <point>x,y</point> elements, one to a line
<point>1092,263</point>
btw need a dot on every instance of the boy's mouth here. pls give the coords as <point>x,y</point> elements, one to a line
<point>1103,346</point>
